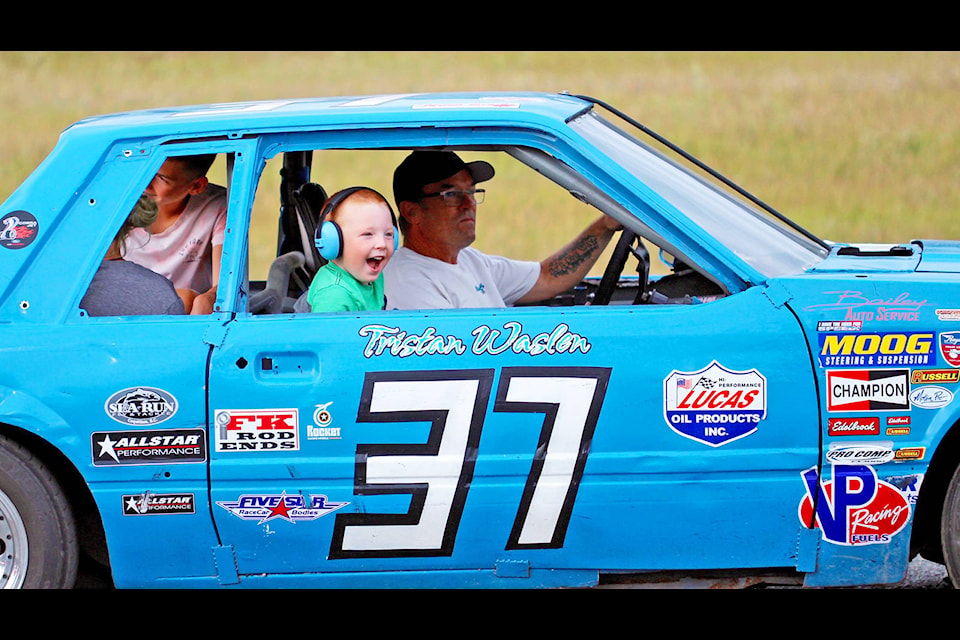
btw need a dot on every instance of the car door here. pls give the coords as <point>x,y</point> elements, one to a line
<point>513,440</point>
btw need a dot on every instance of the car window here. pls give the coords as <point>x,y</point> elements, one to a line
<point>525,216</point>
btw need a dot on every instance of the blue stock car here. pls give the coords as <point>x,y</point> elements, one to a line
<point>727,396</point>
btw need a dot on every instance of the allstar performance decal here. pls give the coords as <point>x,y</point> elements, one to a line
<point>166,446</point>
<point>151,504</point>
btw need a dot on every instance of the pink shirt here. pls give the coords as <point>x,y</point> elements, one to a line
<point>183,251</point>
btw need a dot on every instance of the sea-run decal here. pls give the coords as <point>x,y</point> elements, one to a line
<point>857,306</point>
<point>868,390</point>
<point>845,350</point>
<point>950,347</point>
<point>257,429</point>
<point>151,504</point>
<point>855,508</point>
<point>292,508</point>
<point>512,338</point>
<point>141,406</point>
<point>165,446</point>
<point>715,405</point>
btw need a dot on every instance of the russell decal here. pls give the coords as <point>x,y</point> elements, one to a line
<point>715,405</point>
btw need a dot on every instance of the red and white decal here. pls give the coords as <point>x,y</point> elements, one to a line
<point>257,429</point>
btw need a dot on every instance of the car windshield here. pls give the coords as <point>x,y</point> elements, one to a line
<point>761,240</point>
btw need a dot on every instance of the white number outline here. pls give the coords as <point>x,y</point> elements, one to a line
<point>581,429</point>
<point>547,446</point>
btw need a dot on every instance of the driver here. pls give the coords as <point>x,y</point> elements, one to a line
<point>437,200</point>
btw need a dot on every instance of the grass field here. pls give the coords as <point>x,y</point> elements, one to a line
<point>858,146</point>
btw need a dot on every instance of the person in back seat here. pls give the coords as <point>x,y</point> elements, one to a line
<point>186,241</point>
<point>123,288</point>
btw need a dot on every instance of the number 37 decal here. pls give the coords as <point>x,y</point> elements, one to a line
<point>437,473</point>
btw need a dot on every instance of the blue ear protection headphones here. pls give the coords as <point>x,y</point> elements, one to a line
<point>328,237</point>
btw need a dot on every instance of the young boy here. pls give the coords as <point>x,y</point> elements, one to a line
<point>358,235</point>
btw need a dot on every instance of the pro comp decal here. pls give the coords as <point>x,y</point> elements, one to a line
<point>868,390</point>
<point>167,446</point>
<point>141,406</point>
<point>715,405</point>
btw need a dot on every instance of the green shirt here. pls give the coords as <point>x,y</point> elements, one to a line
<point>333,289</point>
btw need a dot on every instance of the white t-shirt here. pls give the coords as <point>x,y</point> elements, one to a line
<point>183,251</point>
<point>414,281</point>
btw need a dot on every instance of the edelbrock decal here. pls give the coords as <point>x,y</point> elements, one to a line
<point>715,405</point>
<point>141,406</point>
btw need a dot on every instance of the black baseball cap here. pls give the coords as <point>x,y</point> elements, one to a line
<point>423,167</point>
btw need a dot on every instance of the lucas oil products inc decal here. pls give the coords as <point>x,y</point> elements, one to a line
<point>715,405</point>
<point>855,507</point>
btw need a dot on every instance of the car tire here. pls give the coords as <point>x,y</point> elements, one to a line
<point>950,529</point>
<point>38,537</point>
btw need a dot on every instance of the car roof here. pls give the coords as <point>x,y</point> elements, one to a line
<point>531,108</point>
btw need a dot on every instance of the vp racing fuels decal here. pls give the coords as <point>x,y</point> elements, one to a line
<point>454,404</point>
<point>854,508</point>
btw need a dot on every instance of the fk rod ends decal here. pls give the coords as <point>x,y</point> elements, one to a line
<point>715,405</point>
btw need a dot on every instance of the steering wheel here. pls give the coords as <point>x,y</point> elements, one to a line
<point>611,275</point>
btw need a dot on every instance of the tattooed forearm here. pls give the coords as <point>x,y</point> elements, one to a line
<point>568,260</point>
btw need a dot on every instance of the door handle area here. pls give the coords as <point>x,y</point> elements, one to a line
<point>287,366</point>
